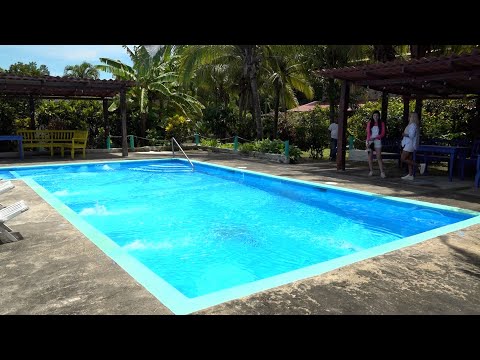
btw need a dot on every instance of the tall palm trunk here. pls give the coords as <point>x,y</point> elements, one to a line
<point>277,106</point>
<point>256,104</point>
<point>242,101</point>
<point>251,69</point>
<point>143,127</point>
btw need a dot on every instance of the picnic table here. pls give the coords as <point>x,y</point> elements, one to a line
<point>17,138</point>
<point>442,153</point>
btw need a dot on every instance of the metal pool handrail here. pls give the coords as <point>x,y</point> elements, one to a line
<point>173,151</point>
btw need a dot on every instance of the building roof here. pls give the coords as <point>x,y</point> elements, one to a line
<point>309,107</point>
<point>438,77</point>
<point>60,87</point>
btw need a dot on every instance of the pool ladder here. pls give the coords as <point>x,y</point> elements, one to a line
<point>173,150</point>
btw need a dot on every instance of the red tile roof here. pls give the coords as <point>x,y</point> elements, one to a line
<point>309,107</point>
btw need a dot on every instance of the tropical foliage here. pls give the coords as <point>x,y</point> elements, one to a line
<point>84,71</point>
<point>12,109</point>
<point>220,91</point>
<point>286,74</point>
<point>30,69</point>
<point>240,65</point>
<point>178,127</point>
<point>156,87</point>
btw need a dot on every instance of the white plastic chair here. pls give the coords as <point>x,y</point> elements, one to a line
<point>6,186</point>
<point>7,213</point>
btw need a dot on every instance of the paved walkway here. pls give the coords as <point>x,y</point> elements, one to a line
<point>57,270</point>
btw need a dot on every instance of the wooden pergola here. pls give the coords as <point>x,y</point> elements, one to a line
<point>55,87</point>
<point>446,77</point>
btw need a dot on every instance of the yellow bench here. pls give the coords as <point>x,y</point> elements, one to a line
<point>70,139</point>
<point>78,141</point>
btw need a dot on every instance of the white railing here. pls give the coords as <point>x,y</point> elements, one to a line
<point>173,151</point>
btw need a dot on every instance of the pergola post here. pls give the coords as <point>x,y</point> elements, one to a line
<point>105,118</point>
<point>384,106</point>
<point>32,112</point>
<point>123,112</point>
<point>342,124</point>
<point>418,110</point>
<point>406,109</point>
<point>475,125</point>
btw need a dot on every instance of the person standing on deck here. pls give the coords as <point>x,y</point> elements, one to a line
<point>375,133</point>
<point>333,128</point>
<point>410,142</point>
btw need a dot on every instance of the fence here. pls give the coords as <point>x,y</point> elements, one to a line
<point>236,138</point>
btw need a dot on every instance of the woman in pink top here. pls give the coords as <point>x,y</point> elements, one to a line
<point>375,133</point>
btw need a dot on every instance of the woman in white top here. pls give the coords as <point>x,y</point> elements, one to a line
<point>410,142</point>
<point>375,133</point>
<point>333,128</point>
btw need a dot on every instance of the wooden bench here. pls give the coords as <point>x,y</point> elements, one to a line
<point>70,139</point>
<point>78,141</point>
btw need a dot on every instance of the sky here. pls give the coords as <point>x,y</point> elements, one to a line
<point>56,57</point>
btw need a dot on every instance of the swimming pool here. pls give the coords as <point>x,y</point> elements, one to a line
<point>198,238</point>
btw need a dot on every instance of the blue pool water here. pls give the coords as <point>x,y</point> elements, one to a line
<point>198,238</point>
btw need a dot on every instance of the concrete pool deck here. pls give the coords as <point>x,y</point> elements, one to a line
<point>57,270</point>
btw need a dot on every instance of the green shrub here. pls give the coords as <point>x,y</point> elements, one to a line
<point>269,146</point>
<point>98,139</point>
<point>294,153</point>
<point>178,127</point>
<point>307,130</point>
<point>156,136</point>
<point>272,147</point>
<point>448,119</point>
<point>247,147</point>
<point>209,142</point>
<point>226,146</point>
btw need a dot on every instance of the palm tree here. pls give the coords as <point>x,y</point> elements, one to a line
<point>384,53</point>
<point>247,58</point>
<point>331,56</point>
<point>155,76</point>
<point>286,74</point>
<point>250,70</point>
<point>85,71</point>
<point>215,83</point>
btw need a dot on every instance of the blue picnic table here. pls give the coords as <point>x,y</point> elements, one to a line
<point>17,138</point>
<point>429,151</point>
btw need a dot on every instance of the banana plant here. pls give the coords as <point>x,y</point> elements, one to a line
<point>156,78</point>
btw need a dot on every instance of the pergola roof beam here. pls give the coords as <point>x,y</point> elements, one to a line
<point>442,76</point>
<point>465,75</point>
<point>59,87</point>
